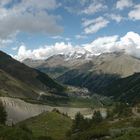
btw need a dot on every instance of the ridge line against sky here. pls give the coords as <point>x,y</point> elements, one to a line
<point>29,28</point>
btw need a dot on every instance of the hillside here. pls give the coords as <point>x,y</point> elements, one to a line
<point>51,124</point>
<point>27,79</point>
<point>126,89</point>
<point>101,71</point>
<point>121,125</point>
<point>12,87</point>
<point>87,70</point>
<point>59,64</point>
<point>46,126</point>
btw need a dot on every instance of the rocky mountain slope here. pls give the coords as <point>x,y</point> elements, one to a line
<point>109,63</point>
<point>101,71</point>
<point>96,73</point>
<point>58,64</point>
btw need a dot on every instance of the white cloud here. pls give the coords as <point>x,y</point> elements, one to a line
<point>87,22</point>
<point>61,38</point>
<point>94,7</point>
<point>57,37</point>
<point>84,7</point>
<point>43,52</point>
<point>121,4</point>
<point>29,16</point>
<point>94,25</point>
<point>80,36</point>
<point>5,42</point>
<point>41,4</point>
<point>23,53</point>
<point>129,43</point>
<point>102,44</point>
<point>135,13</point>
<point>14,48</point>
<point>116,17</point>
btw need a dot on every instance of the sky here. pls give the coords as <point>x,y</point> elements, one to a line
<point>38,29</point>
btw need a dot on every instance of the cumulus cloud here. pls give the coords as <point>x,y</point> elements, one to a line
<point>129,43</point>
<point>29,16</point>
<point>121,4</point>
<point>135,13</point>
<point>43,52</point>
<point>102,44</point>
<point>94,25</point>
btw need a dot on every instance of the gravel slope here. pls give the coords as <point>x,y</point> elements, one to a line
<point>19,110</point>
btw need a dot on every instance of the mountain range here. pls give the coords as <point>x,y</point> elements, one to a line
<point>94,72</point>
<point>60,63</point>
<point>110,74</point>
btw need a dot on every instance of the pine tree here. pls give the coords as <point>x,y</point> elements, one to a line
<point>3,114</point>
<point>78,122</point>
<point>97,117</point>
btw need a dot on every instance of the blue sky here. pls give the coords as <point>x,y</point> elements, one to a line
<point>34,24</point>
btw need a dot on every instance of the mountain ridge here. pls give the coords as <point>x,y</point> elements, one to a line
<point>34,80</point>
<point>95,73</point>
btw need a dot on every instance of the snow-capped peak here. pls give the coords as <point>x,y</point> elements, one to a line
<point>78,53</point>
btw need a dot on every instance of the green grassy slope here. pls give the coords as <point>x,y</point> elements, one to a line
<point>50,124</point>
<point>12,87</point>
<point>14,133</point>
<point>56,126</point>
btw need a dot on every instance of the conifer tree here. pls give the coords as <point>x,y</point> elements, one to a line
<point>3,114</point>
<point>97,117</point>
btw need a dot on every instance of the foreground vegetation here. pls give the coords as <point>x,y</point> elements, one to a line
<point>120,124</point>
<point>52,124</point>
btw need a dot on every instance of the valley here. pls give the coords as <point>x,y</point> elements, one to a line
<point>69,69</point>
<point>96,97</point>
<point>99,83</point>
